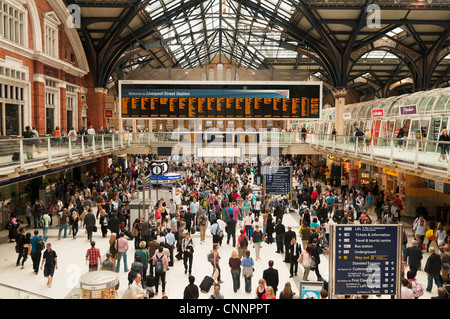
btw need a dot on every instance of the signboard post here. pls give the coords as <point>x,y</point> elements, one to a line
<point>157,168</point>
<point>365,259</point>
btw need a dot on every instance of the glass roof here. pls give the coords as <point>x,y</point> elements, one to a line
<point>225,28</point>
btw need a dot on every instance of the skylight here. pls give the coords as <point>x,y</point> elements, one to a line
<point>395,32</point>
<point>223,27</point>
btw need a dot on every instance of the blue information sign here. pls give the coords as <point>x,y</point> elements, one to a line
<point>366,259</point>
<point>278,180</point>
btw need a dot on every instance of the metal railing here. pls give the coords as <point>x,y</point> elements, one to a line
<point>22,152</point>
<point>8,292</point>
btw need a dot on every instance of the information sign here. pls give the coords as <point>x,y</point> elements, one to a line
<point>365,259</point>
<point>278,180</point>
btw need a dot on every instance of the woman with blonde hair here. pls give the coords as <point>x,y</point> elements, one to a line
<point>235,264</point>
<point>112,248</point>
<point>269,293</point>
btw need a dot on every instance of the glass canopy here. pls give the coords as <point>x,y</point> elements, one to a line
<point>224,28</point>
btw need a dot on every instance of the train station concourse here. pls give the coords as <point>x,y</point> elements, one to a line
<point>220,149</point>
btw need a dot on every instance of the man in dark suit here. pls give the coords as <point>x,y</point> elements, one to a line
<point>89,222</point>
<point>270,275</point>
<point>316,255</point>
<point>414,256</point>
<point>294,252</point>
<point>287,242</point>
<point>113,224</point>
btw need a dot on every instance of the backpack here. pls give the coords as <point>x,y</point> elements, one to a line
<point>40,244</point>
<point>211,256</point>
<point>244,241</point>
<point>159,266</point>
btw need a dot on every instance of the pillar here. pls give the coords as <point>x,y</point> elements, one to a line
<point>38,102</point>
<point>96,102</point>
<point>63,108</point>
<point>339,95</point>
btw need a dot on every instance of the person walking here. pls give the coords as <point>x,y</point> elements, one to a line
<point>433,269</point>
<point>287,242</point>
<point>22,246</point>
<point>121,246</point>
<point>235,264</point>
<point>280,230</point>
<point>63,221</point>
<point>247,264</point>
<point>316,259</point>
<point>37,245</point>
<point>143,253</point>
<point>75,220</point>
<point>231,231</point>
<point>305,260</point>
<point>93,257</point>
<point>49,263</point>
<point>294,253</point>
<point>270,275</point>
<point>256,240</point>
<point>414,256</point>
<point>187,247</point>
<point>191,291</point>
<point>161,262</point>
<point>215,263</point>
<point>89,223</point>
<point>202,221</point>
<point>305,233</point>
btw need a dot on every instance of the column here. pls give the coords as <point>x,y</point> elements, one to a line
<point>62,108</point>
<point>96,101</point>
<point>38,103</point>
<point>339,95</point>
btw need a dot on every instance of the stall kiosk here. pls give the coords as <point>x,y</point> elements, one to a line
<point>99,284</point>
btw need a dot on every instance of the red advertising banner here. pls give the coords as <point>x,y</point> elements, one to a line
<point>378,113</point>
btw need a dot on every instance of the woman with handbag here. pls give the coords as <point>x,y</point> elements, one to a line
<point>305,260</point>
<point>112,248</point>
<point>23,241</point>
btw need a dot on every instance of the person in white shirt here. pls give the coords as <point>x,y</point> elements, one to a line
<point>136,289</point>
<point>406,292</point>
<point>91,131</point>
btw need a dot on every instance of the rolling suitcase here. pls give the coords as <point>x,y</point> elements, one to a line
<point>206,284</point>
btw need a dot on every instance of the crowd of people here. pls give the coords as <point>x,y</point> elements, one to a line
<point>219,198</point>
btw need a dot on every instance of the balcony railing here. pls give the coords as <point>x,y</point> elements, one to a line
<point>416,153</point>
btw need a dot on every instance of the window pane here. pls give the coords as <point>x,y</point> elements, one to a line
<point>12,119</point>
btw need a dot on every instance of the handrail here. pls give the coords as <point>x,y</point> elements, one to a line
<point>23,152</point>
<point>9,292</point>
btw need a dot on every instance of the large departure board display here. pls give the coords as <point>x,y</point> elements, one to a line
<point>188,100</point>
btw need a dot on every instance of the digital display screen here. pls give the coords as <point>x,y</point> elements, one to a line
<point>289,100</point>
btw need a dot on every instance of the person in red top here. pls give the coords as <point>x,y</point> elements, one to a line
<point>242,245</point>
<point>314,195</point>
<point>269,294</point>
<point>94,257</point>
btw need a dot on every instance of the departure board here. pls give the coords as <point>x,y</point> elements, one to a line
<point>250,100</point>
